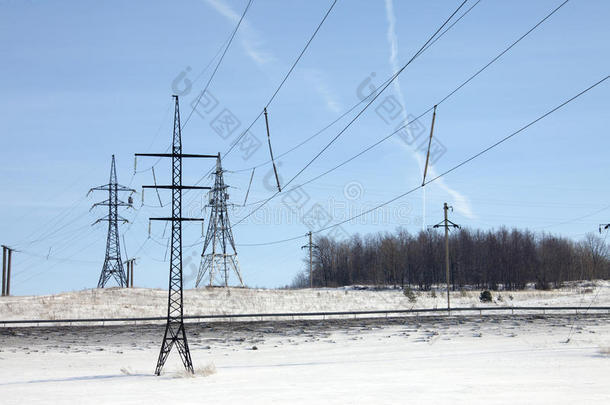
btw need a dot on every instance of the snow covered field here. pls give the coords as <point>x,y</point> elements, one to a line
<point>493,359</point>
<point>141,302</point>
<point>436,360</point>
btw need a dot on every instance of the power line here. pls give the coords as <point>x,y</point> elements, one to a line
<point>76,239</point>
<point>52,257</point>
<point>50,234</point>
<point>506,138</point>
<point>70,242</point>
<point>399,129</point>
<point>506,50</point>
<point>582,269</point>
<point>218,64</point>
<point>50,227</point>
<point>276,242</point>
<point>577,219</point>
<point>311,38</point>
<point>451,25</point>
<point>352,108</point>
<point>286,76</point>
<point>223,48</point>
<point>377,94</point>
<point>470,159</point>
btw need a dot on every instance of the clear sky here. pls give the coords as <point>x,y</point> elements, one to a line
<point>82,80</point>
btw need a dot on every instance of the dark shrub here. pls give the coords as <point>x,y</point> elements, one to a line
<point>485,296</point>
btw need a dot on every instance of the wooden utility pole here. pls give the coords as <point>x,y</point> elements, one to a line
<point>310,246</point>
<point>446,224</point>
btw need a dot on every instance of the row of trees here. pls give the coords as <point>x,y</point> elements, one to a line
<point>507,259</point>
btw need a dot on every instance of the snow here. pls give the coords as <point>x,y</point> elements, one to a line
<point>492,359</point>
<point>457,360</point>
<point>142,302</point>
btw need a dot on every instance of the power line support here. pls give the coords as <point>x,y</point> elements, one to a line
<point>221,256</point>
<point>130,264</point>
<point>175,333</point>
<point>113,264</point>
<point>7,292</point>
<point>423,183</point>
<point>447,224</point>
<point>277,179</point>
<point>310,246</point>
<point>6,270</point>
<point>3,270</point>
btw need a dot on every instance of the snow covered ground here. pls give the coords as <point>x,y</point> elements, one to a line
<point>141,302</point>
<point>436,360</point>
<point>493,359</point>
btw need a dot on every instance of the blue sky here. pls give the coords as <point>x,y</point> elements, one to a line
<point>84,80</point>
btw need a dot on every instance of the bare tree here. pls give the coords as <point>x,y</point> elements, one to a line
<point>495,259</point>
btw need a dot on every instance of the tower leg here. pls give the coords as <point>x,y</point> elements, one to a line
<point>174,334</point>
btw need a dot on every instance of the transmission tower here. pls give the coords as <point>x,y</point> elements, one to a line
<point>113,264</point>
<point>174,329</point>
<point>218,261</point>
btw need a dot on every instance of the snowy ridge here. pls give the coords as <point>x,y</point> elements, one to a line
<point>143,302</point>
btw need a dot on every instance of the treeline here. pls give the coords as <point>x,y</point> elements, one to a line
<point>499,259</point>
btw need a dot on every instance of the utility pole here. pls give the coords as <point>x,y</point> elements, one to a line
<point>128,273</point>
<point>310,246</point>
<point>130,263</point>
<point>3,270</point>
<point>219,243</point>
<point>6,270</point>
<point>447,224</point>
<point>113,264</point>
<point>174,328</point>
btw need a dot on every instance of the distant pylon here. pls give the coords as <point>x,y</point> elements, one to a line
<point>216,260</point>
<point>113,264</point>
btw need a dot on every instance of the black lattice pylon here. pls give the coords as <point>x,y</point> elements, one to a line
<point>175,333</point>
<point>219,256</point>
<point>113,264</point>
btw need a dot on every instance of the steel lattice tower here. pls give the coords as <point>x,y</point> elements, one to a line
<point>113,264</point>
<point>219,237</point>
<point>175,333</point>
